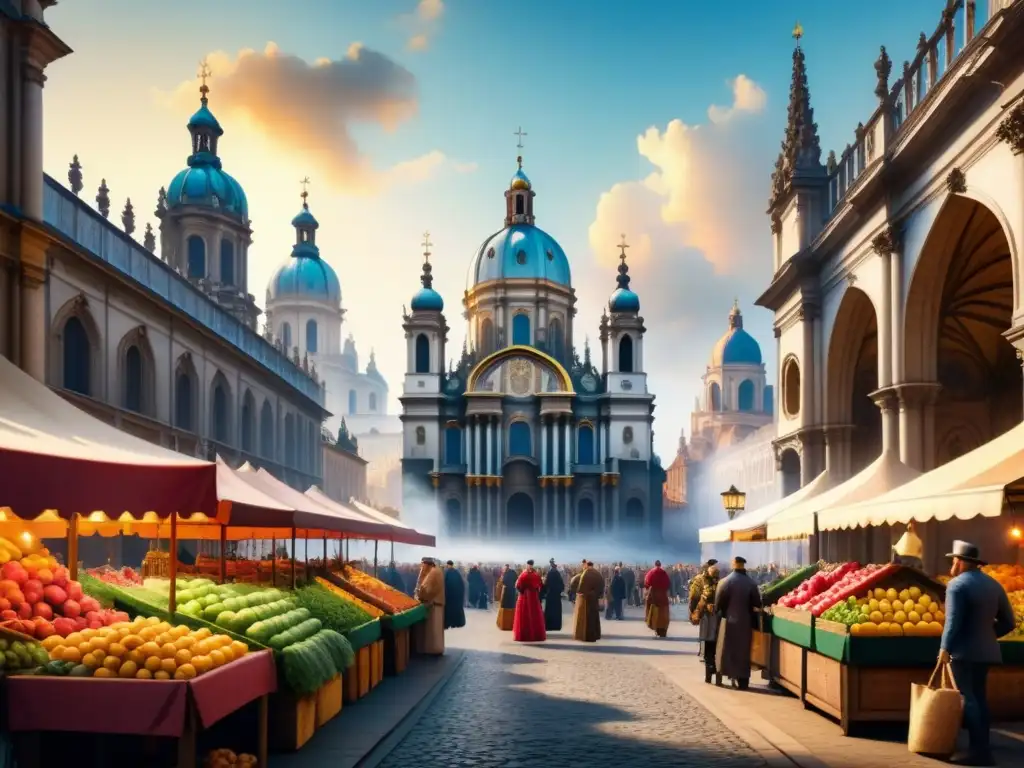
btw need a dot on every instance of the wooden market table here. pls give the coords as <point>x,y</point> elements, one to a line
<point>169,708</point>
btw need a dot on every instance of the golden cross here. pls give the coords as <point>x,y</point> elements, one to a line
<point>204,73</point>
<point>622,248</point>
<point>798,32</point>
<point>305,192</point>
<point>520,133</point>
<point>426,246</point>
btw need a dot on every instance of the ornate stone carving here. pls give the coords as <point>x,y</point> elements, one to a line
<point>128,217</point>
<point>149,238</point>
<point>886,241</point>
<point>75,175</point>
<point>1011,129</point>
<point>520,376</point>
<point>851,280</point>
<point>79,303</point>
<point>776,223</point>
<point>103,199</point>
<point>883,67</point>
<point>956,182</point>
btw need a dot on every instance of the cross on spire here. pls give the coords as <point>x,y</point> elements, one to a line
<point>426,246</point>
<point>623,245</point>
<point>204,73</point>
<point>305,182</point>
<point>519,133</point>
<point>798,32</point>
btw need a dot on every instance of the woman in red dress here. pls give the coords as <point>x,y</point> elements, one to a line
<point>528,626</point>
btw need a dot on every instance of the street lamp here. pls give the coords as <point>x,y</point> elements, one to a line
<point>734,501</point>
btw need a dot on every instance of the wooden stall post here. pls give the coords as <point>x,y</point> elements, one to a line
<point>293,558</point>
<point>172,604</point>
<point>273,561</point>
<point>375,542</point>
<point>73,546</point>
<point>223,555</point>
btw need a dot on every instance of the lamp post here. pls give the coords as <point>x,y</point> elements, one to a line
<point>734,501</point>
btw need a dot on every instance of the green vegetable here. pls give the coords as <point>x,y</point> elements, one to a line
<point>772,592</point>
<point>310,663</point>
<point>295,634</point>
<point>267,628</point>
<point>211,612</point>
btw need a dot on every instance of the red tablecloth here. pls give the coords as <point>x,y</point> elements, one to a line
<point>146,707</point>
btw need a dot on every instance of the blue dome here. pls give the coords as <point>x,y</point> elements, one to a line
<point>624,300</point>
<point>203,118</point>
<point>207,185</point>
<point>520,251</point>
<point>737,347</point>
<point>306,277</point>
<point>427,300</point>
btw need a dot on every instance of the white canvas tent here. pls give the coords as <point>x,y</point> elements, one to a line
<point>752,524</point>
<point>883,474</point>
<point>970,486</point>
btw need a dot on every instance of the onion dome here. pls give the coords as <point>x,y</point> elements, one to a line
<point>522,250</point>
<point>623,299</point>
<point>306,275</point>
<point>205,183</point>
<point>736,347</point>
<point>426,299</point>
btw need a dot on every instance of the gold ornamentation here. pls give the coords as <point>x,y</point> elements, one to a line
<point>520,376</point>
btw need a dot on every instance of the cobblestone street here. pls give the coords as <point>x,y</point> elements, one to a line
<point>561,702</point>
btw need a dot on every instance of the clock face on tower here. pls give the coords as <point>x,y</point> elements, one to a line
<point>588,382</point>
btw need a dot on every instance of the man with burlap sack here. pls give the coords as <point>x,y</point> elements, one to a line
<point>978,613</point>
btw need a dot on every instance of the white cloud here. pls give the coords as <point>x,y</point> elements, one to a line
<point>425,22</point>
<point>748,97</point>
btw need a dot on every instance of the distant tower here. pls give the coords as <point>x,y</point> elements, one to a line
<point>205,231</point>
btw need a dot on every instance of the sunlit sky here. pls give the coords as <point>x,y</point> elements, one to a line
<point>660,120</point>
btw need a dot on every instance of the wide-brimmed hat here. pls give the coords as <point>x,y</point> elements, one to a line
<point>964,550</point>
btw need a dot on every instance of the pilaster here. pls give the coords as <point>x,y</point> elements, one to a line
<point>917,422</point>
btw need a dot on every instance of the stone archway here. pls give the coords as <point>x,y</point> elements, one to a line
<point>634,515</point>
<point>519,515</point>
<point>959,305</point>
<point>852,375</point>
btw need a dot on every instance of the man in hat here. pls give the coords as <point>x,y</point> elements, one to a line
<point>736,599</point>
<point>586,619</point>
<point>454,597</point>
<point>430,590</point>
<point>978,613</point>
<point>554,585</point>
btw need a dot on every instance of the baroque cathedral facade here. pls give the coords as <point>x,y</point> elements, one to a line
<point>526,438</point>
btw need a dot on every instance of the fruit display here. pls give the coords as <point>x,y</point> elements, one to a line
<point>374,591</point>
<point>144,649</point>
<point>40,599</point>
<point>1010,577</point>
<point>770,593</point>
<point>815,585</point>
<point>333,610</point>
<point>851,583</point>
<point>311,662</point>
<point>370,610</point>
<point>125,577</point>
<point>910,612</point>
<point>225,758</point>
<point>19,654</point>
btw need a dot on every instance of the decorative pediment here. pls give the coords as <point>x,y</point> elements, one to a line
<point>519,371</point>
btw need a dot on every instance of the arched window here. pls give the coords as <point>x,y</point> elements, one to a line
<point>267,430</point>
<point>196,257</point>
<point>626,354</point>
<point>556,340</point>
<point>521,328</point>
<point>133,382</point>
<point>585,447</point>
<point>227,262</point>
<point>373,401</point>
<point>714,397</point>
<point>249,422</point>
<point>77,357</point>
<point>519,204</point>
<point>311,340</point>
<point>183,405</point>
<point>289,440</point>
<point>422,354</point>
<point>487,336</point>
<point>519,440</point>
<point>219,413</point>
<point>352,402</point>
<point>745,396</point>
<point>421,436</point>
<point>452,445</point>
<point>286,337</point>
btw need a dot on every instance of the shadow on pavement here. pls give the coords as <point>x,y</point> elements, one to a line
<point>626,650</point>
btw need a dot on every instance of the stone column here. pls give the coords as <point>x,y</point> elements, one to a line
<point>499,448</point>
<point>544,511</point>
<point>33,321</point>
<point>837,453</point>
<point>615,507</point>
<point>807,369</point>
<point>467,452</point>
<point>600,524</point>
<point>478,447</point>
<point>568,445</point>
<point>916,414</point>
<point>31,149</point>
<point>543,445</point>
<point>488,452</point>
<point>486,529</point>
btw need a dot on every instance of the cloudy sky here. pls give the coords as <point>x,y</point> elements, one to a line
<point>660,120</point>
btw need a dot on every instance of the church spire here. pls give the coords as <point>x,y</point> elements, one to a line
<point>801,148</point>
<point>203,126</point>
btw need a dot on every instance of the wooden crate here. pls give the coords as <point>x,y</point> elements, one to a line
<point>823,684</point>
<point>329,701</point>
<point>396,651</point>
<point>791,668</point>
<point>363,665</point>
<point>760,644</point>
<point>350,683</point>
<point>292,720</point>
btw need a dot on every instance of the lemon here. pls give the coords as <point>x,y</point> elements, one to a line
<point>879,593</point>
<point>91,661</point>
<point>128,669</point>
<point>143,674</point>
<point>914,616</point>
<point>876,616</point>
<point>168,665</point>
<point>885,606</point>
<point>202,664</point>
<point>899,617</point>
<point>184,656</point>
<point>939,616</point>
<point>116,649</point>
<point>904,595</point>
<point>131,642</point>
<point>161,675</point>
<point>103,672</point>
<point>887,616</point>
<point>915,592</point>
<point>167,650</point>
<point>73,655</point>
<point>895,629</point>
<point>112,663</point>
<point>239,649</point>
<point>925,600</point>
<point>873,604</point>
<point>908,628</point>
<point>153,663</point>
<point>185,672</point>
<point>150,649</point>
<point>217,657</point>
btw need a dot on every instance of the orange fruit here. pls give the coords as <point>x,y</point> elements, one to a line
<point>100,654</point>
<point>184,656</point>
<point>168,665</point>
<point>100,643</point>
<point>137,656</point>
<point>143,674</point>
<point>71,654</point>
<point>185,672</point>
<point>202,634</point>
<point>84,647</point>
<point>153,663</point>
<point>128,669</point>
<point>73,639</point>
<point>104,672</point>
<point>167,650</point>
<point>217,657</point>
<point>112,663</point>
<point>91,661</point>
<point>116,649</point>
<point>132,642</point>
<point>150,649</point>
<point>161,675</point>
<point>202,664</point>
<point>186,642</point>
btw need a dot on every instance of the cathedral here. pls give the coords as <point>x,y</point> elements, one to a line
<point>524,437</point>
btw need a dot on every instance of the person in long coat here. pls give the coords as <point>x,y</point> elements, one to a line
<point>629,576</point>
<point>454,597</point>
<point>507,600</point>
<point>477,588</point>
<point>586,617</point>
<point>702,614</point>
<point>430,590</point>
<point>657,584</point>
<point>736,599</point>
<point>554,585</point>
<point>528,626</point>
